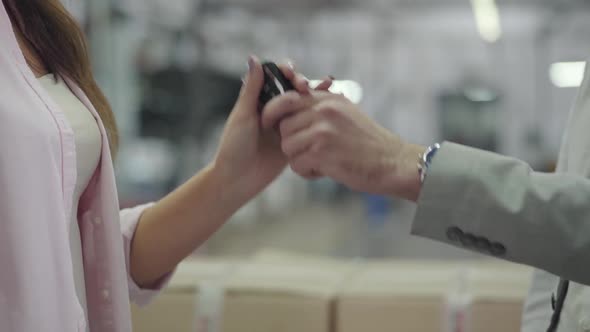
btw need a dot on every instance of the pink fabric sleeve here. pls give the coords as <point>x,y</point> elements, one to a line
<point>129,221</point>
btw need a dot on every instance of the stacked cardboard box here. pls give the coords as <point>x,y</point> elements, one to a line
<point>277,292</point>
<point>282,297</point>
<point>179,307</point>
<point>497,292</point>
<point>257,296</point>
<point>402,296</point>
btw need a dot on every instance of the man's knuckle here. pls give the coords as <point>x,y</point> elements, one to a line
<point>329,110</point>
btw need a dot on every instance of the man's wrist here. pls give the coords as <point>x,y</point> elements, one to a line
<point>414,185</point>
<point>403,178</point>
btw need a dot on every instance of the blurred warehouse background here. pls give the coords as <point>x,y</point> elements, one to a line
<point>496,75</point>
<point>499,75</point>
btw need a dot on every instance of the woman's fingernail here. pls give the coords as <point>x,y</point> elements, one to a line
<point>291,65</point>
<point>251,63</point>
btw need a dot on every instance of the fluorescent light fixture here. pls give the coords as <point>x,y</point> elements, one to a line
<point>567,74</point>
<point>480,95</point>
<point>350,89</point>
<point>487,18</point>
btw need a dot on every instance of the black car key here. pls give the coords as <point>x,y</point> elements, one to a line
<point>275,83</point>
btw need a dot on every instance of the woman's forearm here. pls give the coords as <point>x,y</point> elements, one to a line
<point>174,227</point>
<point>248,159</point>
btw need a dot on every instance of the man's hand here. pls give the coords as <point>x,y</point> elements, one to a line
<point>249,157</point>
<point>324,134</point>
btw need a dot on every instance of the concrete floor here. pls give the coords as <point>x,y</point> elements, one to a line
<point>334,230</point>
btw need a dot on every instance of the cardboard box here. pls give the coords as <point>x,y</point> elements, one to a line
<point>497,292</point>
<point>277,256</point>
<point>280,292</point>
<point>434,296</point>
<point>269,296</point>
<point>282,297</point>
<point>395,296</point>
<point>179,307</point>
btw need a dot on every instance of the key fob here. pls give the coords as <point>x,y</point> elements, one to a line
<point>275,83</point>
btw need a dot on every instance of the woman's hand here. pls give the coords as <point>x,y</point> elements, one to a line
<point>249,156</point>
<point>248,159</point>
<point>324,134</point>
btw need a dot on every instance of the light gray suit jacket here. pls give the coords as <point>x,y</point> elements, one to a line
<point>498,206</point>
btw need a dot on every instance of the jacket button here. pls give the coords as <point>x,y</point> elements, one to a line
<point>497,249</point>
<point>468,240</point>
<point>483,244</point>
<point>97,221</point>
<point>454,234</point>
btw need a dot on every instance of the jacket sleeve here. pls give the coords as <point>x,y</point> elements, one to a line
<point>129,220</point>
<point>498,206</point>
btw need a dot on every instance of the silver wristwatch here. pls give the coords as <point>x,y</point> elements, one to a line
<point>426,159</point>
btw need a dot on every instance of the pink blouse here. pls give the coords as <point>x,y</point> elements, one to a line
<point>37,180</point>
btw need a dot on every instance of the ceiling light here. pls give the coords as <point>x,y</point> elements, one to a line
<point>487,18</point>
<point>480,95</point>
<point>567,74</point>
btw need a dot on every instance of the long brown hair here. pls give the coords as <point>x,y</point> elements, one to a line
<point>60,43</point>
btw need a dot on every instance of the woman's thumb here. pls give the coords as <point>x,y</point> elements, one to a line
<point>252,85</point>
